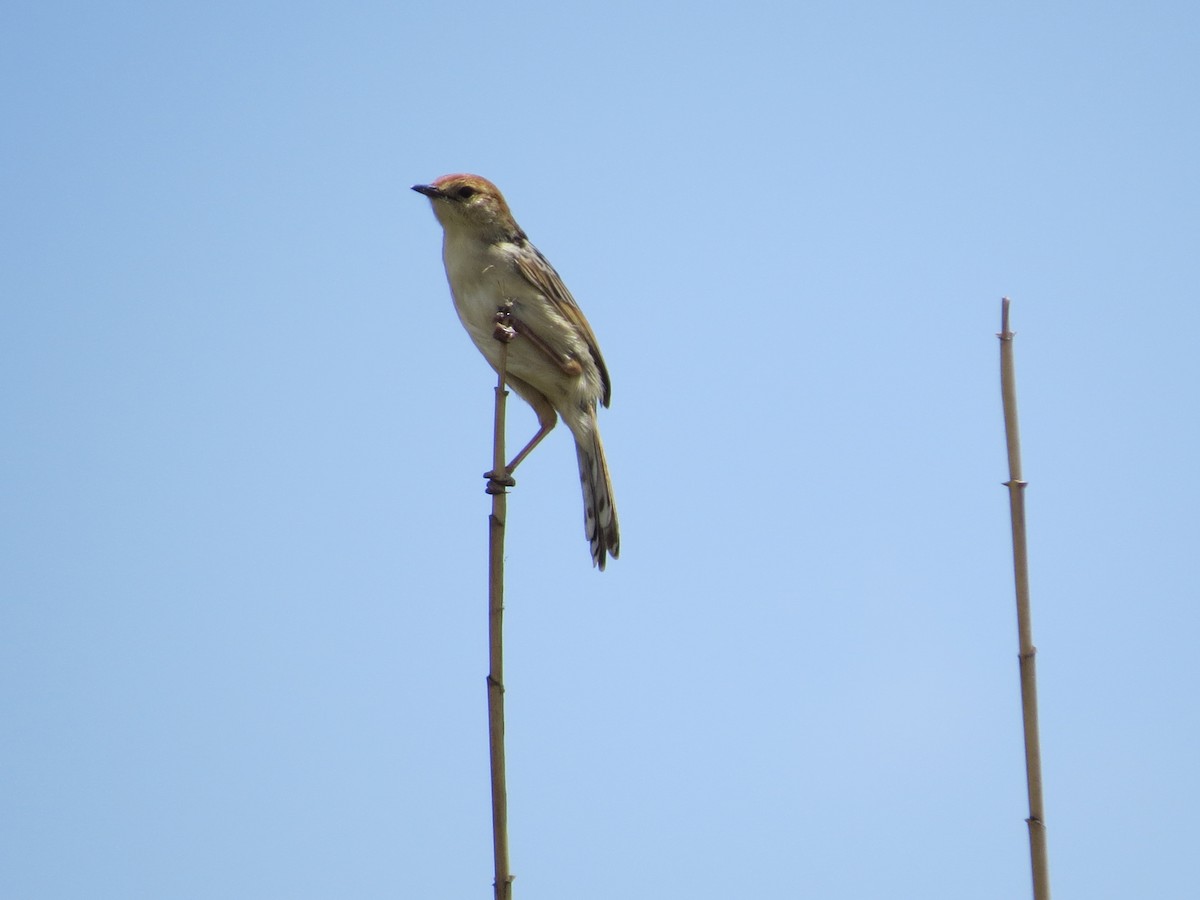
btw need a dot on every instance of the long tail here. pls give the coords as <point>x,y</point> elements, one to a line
<point>599,512</point>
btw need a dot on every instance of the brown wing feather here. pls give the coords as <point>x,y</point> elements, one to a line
<point>541,275</point>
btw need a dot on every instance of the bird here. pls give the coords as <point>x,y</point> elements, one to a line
<point>554,361</point>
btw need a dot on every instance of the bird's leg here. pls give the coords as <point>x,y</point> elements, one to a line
<point>508,326</point>
<point>547,419</point>
<point>568,365</point>
<point>506,330</point>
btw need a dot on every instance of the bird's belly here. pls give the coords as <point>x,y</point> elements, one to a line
<point>477,311</point>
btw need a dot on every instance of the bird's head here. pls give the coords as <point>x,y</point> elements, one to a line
<point>472,203</point>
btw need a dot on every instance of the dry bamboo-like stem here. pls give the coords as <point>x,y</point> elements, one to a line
<point>1028,653</point>
<point>498,482</point>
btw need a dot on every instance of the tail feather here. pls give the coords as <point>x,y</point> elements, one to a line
<point>599,511</point>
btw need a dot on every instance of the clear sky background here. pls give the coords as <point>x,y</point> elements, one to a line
<point>243,629</point>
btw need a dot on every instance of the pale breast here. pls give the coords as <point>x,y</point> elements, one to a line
<point>481,280</point>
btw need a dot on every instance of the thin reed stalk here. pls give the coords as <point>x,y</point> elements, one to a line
<point>1028,653</point>
<point>497,486</point>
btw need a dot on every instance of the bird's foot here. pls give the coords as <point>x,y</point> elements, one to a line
<point>497,484</point>
<point>505,324</point>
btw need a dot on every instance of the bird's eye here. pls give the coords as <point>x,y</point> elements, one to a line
<point>465,193</point>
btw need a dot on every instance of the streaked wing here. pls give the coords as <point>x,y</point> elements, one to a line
<point>541,275</point>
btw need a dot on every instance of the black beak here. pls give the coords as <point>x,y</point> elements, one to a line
<point>428,190</point>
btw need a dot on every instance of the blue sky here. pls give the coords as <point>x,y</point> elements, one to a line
<point>243,625</point>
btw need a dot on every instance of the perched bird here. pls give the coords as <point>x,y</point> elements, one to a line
<point>554,363</point>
